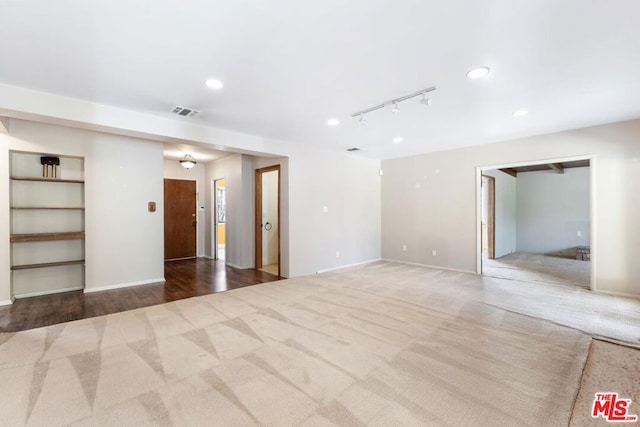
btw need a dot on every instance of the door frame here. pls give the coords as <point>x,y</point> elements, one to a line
<point>258,215</point>
<point>592,205</point>
<point>491,216</point>
<point>214,218</point>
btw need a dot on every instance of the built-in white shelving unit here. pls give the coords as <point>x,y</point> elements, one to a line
<point>47,225</point>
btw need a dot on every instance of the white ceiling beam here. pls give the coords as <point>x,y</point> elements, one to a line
<point>4,124</point>
<point>28,104</point>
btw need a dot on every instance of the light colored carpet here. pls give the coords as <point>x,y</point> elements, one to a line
<point>610,368</point>
<point>549,269</point>
<point>383,344</point>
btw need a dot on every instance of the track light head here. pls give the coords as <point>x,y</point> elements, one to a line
<point>425,101</point>
<point>395,108</point>
<point>362,120</point>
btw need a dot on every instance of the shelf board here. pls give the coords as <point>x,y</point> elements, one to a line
<point>43,237</point>
<point>37,179</point>
<point>47,264</point>
<point>45,208</point>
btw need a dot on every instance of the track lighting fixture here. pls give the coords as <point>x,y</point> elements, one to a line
<point>394,104</point>
<point>188,162</point>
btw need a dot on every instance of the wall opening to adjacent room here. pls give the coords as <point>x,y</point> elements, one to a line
<point>543,221</point>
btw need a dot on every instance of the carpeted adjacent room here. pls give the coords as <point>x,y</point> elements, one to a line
<point>381,344</point>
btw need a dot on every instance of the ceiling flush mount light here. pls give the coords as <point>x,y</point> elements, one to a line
<point>333,122</point>
<point>188,162</point>
<point>397,140</point>
<point>394,103</point>
<point>519,113</point>
<point>214,84</point>
<point>477,73</point>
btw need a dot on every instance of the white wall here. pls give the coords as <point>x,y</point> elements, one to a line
<point>348,184</point>
<point>239,208</point>
<point>429,201</point>
<point>552,209</point>
<point>505,227</point>
<point>174,170</point>
<point>5,222</point>
<point>124,242</point>
<point>312,240</point>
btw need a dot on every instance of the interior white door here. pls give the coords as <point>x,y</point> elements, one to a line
<point>270,218</point>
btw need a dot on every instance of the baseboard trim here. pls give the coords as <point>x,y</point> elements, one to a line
<point>57,291</point>
<point>236,266</point>
<point>124,285</point>
<point>180,259</point>
<point>6,302</point>
<point>347,266</point>
<point>437,267</point>
<point>617,294</point>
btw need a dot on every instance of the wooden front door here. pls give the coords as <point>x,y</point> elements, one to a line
<point>180,219</point>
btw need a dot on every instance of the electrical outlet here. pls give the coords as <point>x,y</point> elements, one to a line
<point>337,254</point>
<point>579,233</point>
<point>325,209</point>
<point>404,248</point>
<point>434,252</point>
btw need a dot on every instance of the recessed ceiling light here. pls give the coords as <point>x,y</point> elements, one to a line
<point>521,112</point>
<point>214,84</point>
<point>333,122</point>
<point>477,73</point>
<point>397,140</point>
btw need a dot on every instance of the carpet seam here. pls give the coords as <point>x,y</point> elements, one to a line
<point>575,396</point>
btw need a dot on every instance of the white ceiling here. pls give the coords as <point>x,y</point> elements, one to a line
<point>289,65</point>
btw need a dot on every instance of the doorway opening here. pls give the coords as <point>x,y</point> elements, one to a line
<point>267,220</point>
<point>536,221</point>
<point>180,221</point>
<point>219,219</point>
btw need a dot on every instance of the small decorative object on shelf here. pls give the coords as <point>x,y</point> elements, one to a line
<point>47,161</point>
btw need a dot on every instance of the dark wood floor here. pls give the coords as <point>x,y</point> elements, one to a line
<point>184,279</point>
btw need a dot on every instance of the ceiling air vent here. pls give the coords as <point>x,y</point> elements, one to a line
<point>353,149</point>
<point>184,112</point>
